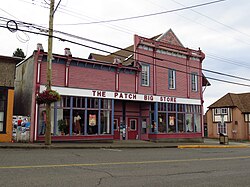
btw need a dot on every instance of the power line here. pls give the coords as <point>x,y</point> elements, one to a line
<point>77,43</point>
<point>146,15</point>
<point>108,45</point>
<point>70,12</point>
<point>214,20</point>
<point>112,46</point>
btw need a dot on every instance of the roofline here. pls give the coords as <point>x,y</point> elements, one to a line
<point>14,59</point>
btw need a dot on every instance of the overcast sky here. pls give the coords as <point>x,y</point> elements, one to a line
<point>221,30</point>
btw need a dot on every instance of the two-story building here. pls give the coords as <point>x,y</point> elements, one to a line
<point>230,115</point>
<point>7,77</point>
<point>151,90</point>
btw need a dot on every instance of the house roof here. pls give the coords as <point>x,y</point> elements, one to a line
<point>125,55</point>
<point>15,60</point>
<point>234,100</point>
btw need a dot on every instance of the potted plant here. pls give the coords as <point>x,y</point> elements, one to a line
<point>62,126</point>
<point>47,97</point>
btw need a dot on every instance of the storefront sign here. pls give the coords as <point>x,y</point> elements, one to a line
<point>130,96</point>
<point>121,95</point>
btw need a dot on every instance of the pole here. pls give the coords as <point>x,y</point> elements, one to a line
<point>49,64</point>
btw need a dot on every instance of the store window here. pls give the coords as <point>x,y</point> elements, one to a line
<point>162,122</point>
<point>172,122</point>
<point>193,118</point>
<point>105,116</point>
<point>145,75</point>
<point>3,109</point>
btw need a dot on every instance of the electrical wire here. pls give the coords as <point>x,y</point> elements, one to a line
<point>112,46</point>
<point>77,43</point>
<point>127,31</point>
<point>147,15</point>
<point>214,20</point>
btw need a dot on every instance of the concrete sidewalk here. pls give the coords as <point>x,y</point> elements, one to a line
<point>208,143</point>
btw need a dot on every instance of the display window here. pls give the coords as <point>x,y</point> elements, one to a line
<point>74,116</point>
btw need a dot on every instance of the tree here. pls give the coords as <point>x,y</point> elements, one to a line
<point>19,53</point>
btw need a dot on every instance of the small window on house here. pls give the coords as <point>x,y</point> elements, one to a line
<point>247,118</point>
<point>217,111</point>
<point>145,75</point>
<point>224,111</point>
<point>222,128</point>
<point>194,82</point>
<point>171,79</point>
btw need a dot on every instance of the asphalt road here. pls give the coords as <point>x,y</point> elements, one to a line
<point>125,167</point>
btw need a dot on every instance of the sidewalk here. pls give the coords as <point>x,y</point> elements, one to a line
<point>208,143</point>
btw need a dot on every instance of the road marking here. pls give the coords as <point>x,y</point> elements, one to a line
<point>124,163</point>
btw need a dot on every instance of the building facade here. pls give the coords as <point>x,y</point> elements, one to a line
<point>151,90</point>
<point>230,115</point>
<point>7,76</point>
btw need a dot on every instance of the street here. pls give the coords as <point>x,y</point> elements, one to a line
<point>125,167</point>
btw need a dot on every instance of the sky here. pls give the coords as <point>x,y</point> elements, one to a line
<point>221,30</point>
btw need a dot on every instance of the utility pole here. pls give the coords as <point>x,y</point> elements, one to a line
<point>49,65</point>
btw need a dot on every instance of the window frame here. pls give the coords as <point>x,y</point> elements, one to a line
<point>145,79</point>
<point>194,82</point>
<point>219,128</point>
<point>135,121</point>
<point>172,79</point>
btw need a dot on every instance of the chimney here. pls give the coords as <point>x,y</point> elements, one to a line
<point>67,52</point>
<point>39,47</point>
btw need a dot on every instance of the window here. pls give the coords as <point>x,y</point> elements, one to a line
<point>221,128</point>
<point>171,79</point>
<point>3,103</point>
<point>194,82</point>
<point>133,124</point>
<point>223,111</point>
<point>220,111</point>
<point>145,75</point>
<point>247,118</point>
<point>116,124</point>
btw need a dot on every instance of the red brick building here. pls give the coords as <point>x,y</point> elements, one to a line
<point>151,90</point>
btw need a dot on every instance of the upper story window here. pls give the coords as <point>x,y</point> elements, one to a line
<point>194,82</point>
<point>247,118</point>
<point>145,75</point>
<point>171,79</point>
<point>218,111</point>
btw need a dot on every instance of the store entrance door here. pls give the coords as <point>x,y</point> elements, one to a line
<point>132,128</point>
<point>116,128</point>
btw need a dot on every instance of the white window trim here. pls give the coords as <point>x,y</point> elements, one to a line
<point>171,86</point>
<point>147,76</point>
<point>130,124</point>
<point>247,118</point>
<point>195,76</point>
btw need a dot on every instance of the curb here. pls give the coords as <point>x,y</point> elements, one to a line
<point>212,146</point>
<point>85,147</point>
